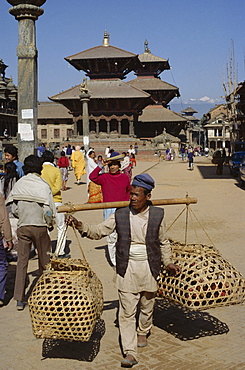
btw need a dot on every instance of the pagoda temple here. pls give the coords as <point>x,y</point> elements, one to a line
<point>194,132</point>
<point>148,77</point>
<point>156,116</point>
<point>114,105</point>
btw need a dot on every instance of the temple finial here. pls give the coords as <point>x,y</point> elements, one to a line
<point>106,39</point>
<point>147,50</point>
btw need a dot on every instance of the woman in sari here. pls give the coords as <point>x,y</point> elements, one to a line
<point>78,163</point>
<point>94,190</point>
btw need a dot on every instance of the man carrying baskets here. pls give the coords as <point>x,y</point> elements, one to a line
<point>140,247</point>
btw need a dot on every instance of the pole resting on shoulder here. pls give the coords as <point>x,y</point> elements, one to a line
<point>90,206</point>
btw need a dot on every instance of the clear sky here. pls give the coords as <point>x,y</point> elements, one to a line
<point>195,35</point>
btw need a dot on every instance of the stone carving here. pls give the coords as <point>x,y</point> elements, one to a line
<point>83,86</point>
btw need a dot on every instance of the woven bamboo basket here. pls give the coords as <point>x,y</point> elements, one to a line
<point>207,279</point>
<point>67,301</point>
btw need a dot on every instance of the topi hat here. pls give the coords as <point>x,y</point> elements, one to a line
<point>144,181</point>
<point>115,156</point>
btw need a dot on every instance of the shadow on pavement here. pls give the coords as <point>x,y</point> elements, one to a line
<point>110,305</point>
<point>209,172</point>
<point>186,324</point>
<point>105,247</point>
<point>10,284</point>
<point>240,185</point>
<point>67,247</point>
<point>82,351</point>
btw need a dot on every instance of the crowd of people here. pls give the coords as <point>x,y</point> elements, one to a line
<point>30,195</point>
<point>32,192</point>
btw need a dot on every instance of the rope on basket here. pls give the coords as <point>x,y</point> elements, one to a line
<point>62,239</point>
<point>79,244</point>
<point>202,227</point>
<point>191,212</point>
<point>64,232</point>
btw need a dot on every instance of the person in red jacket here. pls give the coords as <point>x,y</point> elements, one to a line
<point>115,187</point>
<point>63,164</point>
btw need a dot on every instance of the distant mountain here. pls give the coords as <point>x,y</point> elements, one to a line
<point>200,108</point>
<point>202,105</point>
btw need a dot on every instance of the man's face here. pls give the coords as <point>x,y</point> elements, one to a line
<point>138,199</point>
<point>114,167</point>
<point>9,157</point>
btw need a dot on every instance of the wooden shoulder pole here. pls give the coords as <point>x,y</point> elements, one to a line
<point>90,206</point>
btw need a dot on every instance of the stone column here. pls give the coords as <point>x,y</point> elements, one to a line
<point>119,128</point>
<point>27,12</point>
<point>75,119</point>
<point>223,134</point>
<point>131,128</point>
<point>85,97</point>
<point>108,128</point>
<point>86,141</point>
<point>97,120</point>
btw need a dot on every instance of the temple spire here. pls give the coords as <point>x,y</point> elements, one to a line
<point>106,39</point>
<point>147,50</point>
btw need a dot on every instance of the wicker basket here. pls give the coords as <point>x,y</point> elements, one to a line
<point>66,301</point>
<point>207,279</point>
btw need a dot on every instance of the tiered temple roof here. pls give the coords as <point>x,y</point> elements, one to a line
<point>189,111</point>
<point>107,97</point>
<point>104,61</point>
<point>148,77</point>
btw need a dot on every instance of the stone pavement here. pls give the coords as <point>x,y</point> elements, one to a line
<point>219,210</point>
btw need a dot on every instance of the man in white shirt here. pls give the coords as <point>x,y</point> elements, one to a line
<point>131,150</point>
<point>141,246</point>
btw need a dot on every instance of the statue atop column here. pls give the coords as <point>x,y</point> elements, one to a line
<point>83,87</point>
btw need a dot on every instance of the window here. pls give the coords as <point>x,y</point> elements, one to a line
<point>56,133</point>
<point>43,133</point>
<point>69,132</point>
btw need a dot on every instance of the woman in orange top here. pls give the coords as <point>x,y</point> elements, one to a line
<point>78,163</point>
